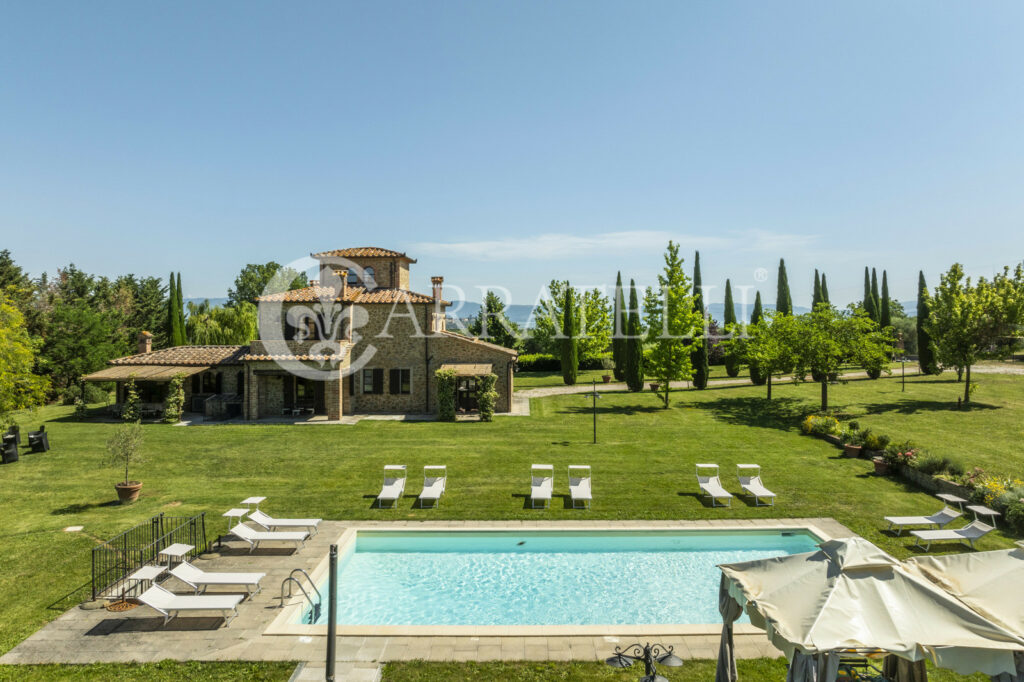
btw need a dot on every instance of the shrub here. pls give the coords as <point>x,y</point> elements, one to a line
<point>445,394</point>
<point>538,362</point>
<point>486,396</point>
<point>174,403</point>
<point>820,425</point>
<point>1015,515</point>
<point>81,412</point>
<point>936,464</point>
<point>900,457</point>
<point>603,361</point>
<point>855,436</point>
<point>875,441</point>
<point>94,393</point>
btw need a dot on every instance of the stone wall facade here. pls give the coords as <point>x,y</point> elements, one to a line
<point>388,273</point>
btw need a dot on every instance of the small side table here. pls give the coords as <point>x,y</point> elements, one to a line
<point>982,510</point>
<point>238,513</point>
<point>147,573</point>
<point>950,498</point>
<point>253,501</point>
<point>176,551</point>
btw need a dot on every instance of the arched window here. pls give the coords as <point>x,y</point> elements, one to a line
<point>368,279</point>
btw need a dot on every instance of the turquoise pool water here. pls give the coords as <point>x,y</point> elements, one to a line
<point>543,578</point>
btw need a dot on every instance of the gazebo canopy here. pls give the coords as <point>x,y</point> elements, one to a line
<point>852,595</point>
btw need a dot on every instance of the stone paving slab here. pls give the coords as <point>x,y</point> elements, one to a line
<point>91,636</point>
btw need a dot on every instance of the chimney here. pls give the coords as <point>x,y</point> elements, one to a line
<point>145,343</point>
<point>437,281</point>
<point>314,282</point>
<point>343,289</point>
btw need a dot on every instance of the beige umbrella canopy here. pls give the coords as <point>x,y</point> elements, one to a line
<point>852,595</point>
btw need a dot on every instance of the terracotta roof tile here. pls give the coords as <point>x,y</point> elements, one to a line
<point>187,356</point>
<point>313,358</point>
<point>476,341</point>
<point>363,252</point>
<point>352,295</point>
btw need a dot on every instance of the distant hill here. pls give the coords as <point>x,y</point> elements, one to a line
<point>197,301</point>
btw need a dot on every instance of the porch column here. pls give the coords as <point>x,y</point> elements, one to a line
<point>334,395</point>
<point>252,394</point>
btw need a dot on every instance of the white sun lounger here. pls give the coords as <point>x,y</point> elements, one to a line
<point>750,481</point>
<point>271,523</point>
<point>255,537</point>
<point>711,486</point>
<point>169,604</point>
<point>434,479</point>
<point>199,580</point>
<point>541,482</point>
<point>394,485</point>
<point>579,485</point>
<point>938,519</point>
<point>971,532</point>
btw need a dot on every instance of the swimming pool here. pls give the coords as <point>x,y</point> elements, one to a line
<point>541,578</point>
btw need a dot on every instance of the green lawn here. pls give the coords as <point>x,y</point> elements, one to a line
<point>164,671</point>
<point>334,471</point>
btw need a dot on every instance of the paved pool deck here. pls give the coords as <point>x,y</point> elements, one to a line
<point>83,635</point>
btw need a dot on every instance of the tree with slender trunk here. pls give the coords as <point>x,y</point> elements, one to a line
<point>926,349</point>
<point>671,318</point>
<point>885,318</point>
<point>699,355</point>
<point>756,376</point>
<point>570,363</point>
<point>770,344</point>
<point>824,290</point>
<point>634,343</point>
<point>732,358</point>
<point>783,300</point>
<point>173,323</point>
<point>619,337</point>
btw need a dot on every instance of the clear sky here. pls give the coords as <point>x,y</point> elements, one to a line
<point>504,144</point>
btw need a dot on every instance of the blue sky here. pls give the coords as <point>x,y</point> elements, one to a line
<point>504,144</point>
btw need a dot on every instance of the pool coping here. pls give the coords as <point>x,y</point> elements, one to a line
<point>284,623</point>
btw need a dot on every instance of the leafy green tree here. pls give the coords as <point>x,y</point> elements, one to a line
<point>446,380</point>
<point>20,387</point>
<point>926,349</point>
<point>700,343</point>
<point>824,290</point>
<point>771,344</point>
<point>209,325</point>
<point>816,295</point>
<point>591,324</point>
<point>595,324</point>
<point>634,343</point>
<point>179,310</point>
<point>732,359</point>
<point>492,324</point>
<point>14,282</point>
<point>885,317</point>
<point>619,335</point>
<point>973,321</point>
<point>783,299</point>
<point>254,278</point>
<point>570,361</point>
<point>826,337</point>
<point>756,376</point>
<point>672,319</point>
<point>78,341</point>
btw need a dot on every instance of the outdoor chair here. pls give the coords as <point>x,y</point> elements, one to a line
<point>39,441</point>
<point>711,485</point>
<point>435,478</point>
<point>254,537</point>
<point>9,449</point>
<point>271,523</point>
<point>938,519</point>
<point>971,532</point>
<point>169,604</point>
<point>199,580</point>
<point>15,431</point>
<point>394,485</point>
<point>579,485</point>
<point>541,482</point>
<point>750,481</point>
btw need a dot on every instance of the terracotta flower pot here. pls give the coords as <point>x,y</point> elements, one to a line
<point>606,378</point>
<point>655,386</point>
<point>881,467</point>
<point>128,492</point>
<point>851,450</point>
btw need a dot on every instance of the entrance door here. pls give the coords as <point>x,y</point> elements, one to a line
<point>465,394</point>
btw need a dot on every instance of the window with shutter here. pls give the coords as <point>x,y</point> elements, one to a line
<point>368,381</point>
<point>378,381</point>
<point>395,381</point>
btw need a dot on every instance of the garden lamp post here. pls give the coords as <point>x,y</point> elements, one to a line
<point>594,396</point>
<point>649,654</point>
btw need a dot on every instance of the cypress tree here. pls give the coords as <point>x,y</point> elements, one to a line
<point>569,360</point>
<point>634,344</point>
<point>180,310</point>
<point>174,331</point>
<point>885,318</point>
<point>816,296</point>
<point>925,344</point>
<point>824,290</point>
<point>699,357</point>
<point>874,295</point>
<point>756,377</point>
<point>869,300</point>
<point>732,362</point>
<point>783,301</point>
<point>618,338</point>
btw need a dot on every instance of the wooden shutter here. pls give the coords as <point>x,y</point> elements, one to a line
<point>378,381</point>
<point>395,381</point>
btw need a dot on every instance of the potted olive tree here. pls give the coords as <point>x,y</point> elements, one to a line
<point>123,448</point>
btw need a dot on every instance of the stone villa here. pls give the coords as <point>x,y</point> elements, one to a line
<point>355,341</point>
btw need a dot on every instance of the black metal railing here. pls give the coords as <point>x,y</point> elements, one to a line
<point>117,558</point>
